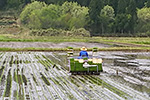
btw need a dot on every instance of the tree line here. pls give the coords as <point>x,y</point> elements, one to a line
<point>100,17</point>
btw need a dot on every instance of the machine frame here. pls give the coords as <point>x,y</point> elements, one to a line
<point>90,65</point>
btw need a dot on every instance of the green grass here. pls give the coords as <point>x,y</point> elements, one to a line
<point>19,38</point>
<point>58,39</point>
<point>142,43</point>
<point>78,49</point>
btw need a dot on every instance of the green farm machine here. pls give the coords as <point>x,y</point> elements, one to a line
<point>91,65</point>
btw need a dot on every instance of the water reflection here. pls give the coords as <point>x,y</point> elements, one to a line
<point>133,69</point>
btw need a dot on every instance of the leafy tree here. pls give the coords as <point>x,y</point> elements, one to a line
<point>13,3</point>
<point>53,1</point>
<point>34,19</point>
<point>143,19</point>
<point>44,18</point>
<point>108,11</point>
<point>131,9</point>
<point>2,4</point>
<point>68,16</point>
<point>144,15</point>
<point>122,22</point>
<point>107,18</point>
<point>27,1</point>
<point>94,10</point>
<point>84,2</point>
<point>74,15</point>
<point>24,16</point>
<point>71,14</point>
<point>140,3</point>
<point>147,4</point>
<point>122,4</point>
<point>49,16</point>
<point>114,4</point>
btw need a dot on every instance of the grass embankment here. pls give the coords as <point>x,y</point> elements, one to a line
<point>55,39</point>
<point>137,49</point>
<point>117,43</point>
<point>58,39</point>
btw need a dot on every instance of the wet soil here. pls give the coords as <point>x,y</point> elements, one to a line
<point>129,44</point>
<point>50,45</point>
<point>33,76</point>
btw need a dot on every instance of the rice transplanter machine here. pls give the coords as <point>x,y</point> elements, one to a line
<point>90,65</point>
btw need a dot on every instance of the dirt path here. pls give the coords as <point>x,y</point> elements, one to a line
<point>64,45</point>
<point>128,44</point>
<point>50,45</point>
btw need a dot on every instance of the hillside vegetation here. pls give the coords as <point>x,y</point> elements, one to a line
<point>74,17</point>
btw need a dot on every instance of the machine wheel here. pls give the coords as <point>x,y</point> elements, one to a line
<point>97,73</point>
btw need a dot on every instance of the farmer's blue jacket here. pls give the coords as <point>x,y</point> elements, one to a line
<point>83,54</point>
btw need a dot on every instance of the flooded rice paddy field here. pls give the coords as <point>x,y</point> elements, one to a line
<point>33,76</point>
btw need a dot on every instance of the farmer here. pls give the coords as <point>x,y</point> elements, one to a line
<point>83,53</point>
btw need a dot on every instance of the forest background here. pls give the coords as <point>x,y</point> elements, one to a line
<point>81,17</point>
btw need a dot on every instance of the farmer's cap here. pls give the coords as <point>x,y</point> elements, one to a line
<point>84,48</point>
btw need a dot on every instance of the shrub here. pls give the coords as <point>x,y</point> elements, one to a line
<point>24,16</point>
<point>60,32</point>
<point>38,15</point>
<point>81,32</point>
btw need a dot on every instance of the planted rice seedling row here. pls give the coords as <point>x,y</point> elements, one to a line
<point>45,80</point>
<point>79,85</point>
<point>33,76</point>
<point>53,80</point>
<point>65,83</point>
<point>114,89</point>
<point>41,94</point>
<point>81,93</point>
<point>5,80</point>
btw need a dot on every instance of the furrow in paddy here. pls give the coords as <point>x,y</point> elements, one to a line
<point>52,79</point>
<point>42,76</point>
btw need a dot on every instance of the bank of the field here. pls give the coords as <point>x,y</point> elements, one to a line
<point>133,49</point>
<point>58,39</point>
<point>116,43</point>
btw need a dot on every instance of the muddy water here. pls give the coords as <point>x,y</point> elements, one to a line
<point>33,76</point>
<point>126,68</point>
<point>50,45</point>
<point>130,69</point>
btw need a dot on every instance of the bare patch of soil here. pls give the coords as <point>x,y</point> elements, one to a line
<point>50,45</point>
